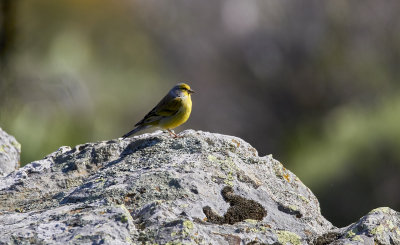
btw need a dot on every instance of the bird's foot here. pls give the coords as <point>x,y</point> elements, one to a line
<point>174,135</point>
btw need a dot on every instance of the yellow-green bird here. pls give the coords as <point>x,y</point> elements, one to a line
<point>173,110</point>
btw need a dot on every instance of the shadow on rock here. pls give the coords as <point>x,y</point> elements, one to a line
<point>133,147</point>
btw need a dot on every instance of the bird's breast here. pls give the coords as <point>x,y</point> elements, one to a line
<point>180,117</point>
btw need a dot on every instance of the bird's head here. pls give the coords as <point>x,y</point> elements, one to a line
<point>182,89</point>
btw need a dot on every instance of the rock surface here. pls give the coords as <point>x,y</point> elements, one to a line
<point>10,151</point>
<point>379,226</point>
<point>201,188</point>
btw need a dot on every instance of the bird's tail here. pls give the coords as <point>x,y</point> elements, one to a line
<point>135,130</point>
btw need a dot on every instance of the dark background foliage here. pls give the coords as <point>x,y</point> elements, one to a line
<point>315,83</point>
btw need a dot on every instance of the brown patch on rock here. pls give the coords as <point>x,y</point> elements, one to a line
<point>240,209</point>
<point>326,238</point>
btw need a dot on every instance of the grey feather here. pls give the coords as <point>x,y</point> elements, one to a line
<point>135,130</point>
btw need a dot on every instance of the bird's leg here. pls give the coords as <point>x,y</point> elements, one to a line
<point>174,135</point>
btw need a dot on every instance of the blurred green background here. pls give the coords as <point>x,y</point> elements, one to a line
<point>315,83</point>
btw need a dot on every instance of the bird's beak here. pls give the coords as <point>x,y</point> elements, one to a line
<point>191,91</point>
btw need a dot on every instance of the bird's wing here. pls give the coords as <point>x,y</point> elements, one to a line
<point>168,106</point>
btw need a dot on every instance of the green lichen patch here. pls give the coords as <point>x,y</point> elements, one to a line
<point>377,230</point>
<point>228,167</point>
<point>350,234</point>
<point>187,224</point>
<point>357,238</point>
<point>287,238</point>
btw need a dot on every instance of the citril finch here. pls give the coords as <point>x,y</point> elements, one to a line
<point>173,110</point>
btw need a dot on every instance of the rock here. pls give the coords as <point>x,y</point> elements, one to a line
<point>10,151</point>
<point>380,226</point>
<point>201,188</point>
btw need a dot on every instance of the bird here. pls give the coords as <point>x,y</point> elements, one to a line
<point>173,110</point>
